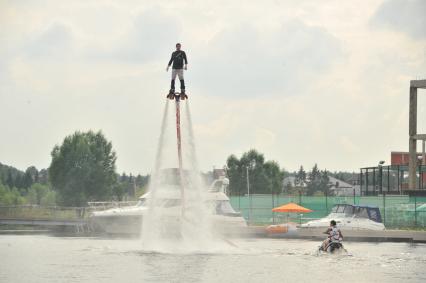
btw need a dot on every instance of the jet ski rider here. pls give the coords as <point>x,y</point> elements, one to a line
<point>334,235</point>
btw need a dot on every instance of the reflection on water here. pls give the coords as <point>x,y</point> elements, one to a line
<point>41,258</point>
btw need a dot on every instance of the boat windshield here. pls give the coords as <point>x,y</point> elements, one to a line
<point>338,208</point>
<point>361,212</point>
<point>160,202</point>
<point>349,210</point>
<point>375,215</point>
<point>223,207</point>
<point>141,202</point>
<point>171,203</point>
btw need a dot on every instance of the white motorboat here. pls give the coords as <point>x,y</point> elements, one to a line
<point>351,217</point>
<point>128,220</point>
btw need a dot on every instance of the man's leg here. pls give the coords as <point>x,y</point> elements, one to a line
<point>171,94</point>
<point>325,244</point>
<point>172,85</point>
<point>182,81</point>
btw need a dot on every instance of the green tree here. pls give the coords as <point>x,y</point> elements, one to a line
<point>313,184</point>
<point>27,180</point>
<point>10,181</point>
<point>119,190</point>
<point>325,183</point>
<point>19,181</point>
<point>274,176</point>
<point>318,181</point>
<point>83,168</point>
<point>300,178</point>
<point>43,177</point>
<point>264,177</point>
<point>49,199</point>
<point>142,181</point>
<point>234,172</point>
<point>10,196</point>
<point>37,192</point>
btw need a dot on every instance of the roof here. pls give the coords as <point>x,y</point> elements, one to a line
<point>342,184</point>
<point>358,205</point>
<point>332,181</point>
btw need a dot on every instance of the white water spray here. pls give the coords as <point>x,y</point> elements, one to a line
<point>176,221</point>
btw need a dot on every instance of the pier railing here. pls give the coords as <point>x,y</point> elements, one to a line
<point>38,212</point>
<point>31,212</point>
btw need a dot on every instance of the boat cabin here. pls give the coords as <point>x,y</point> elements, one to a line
<point>359,211</point>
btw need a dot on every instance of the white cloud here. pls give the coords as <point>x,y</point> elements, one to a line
<point>299,81</point>
<point>278,61</point>
<point>407,16</point>
<point>54,42</point>
<point>150,37</point>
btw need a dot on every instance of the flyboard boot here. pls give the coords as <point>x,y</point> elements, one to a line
<point>171,94</point>
<point>183,95</point>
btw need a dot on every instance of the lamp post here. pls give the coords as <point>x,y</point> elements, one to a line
<point>381,176</point>
<point>420,162</point>
<point>250,165</point>
<point>248,193</point>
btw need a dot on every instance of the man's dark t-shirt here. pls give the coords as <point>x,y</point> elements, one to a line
<point>177,58</point>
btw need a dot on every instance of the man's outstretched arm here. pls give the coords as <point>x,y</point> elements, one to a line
<point>185,60</point>
<point>170,62</point>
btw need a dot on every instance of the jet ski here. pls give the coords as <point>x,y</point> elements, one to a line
<point>332,248</point>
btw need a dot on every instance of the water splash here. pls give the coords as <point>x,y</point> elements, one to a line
<point>176,222</point>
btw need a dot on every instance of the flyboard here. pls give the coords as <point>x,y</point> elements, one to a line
<point>178,97</point>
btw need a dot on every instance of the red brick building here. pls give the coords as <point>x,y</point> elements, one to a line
<point>401,158</point>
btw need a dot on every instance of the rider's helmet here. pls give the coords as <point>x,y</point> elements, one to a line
<point>333,223</point>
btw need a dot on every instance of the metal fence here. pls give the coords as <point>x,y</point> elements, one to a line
<point>389,179</point>
<point>399,212</point>
<point>31,212</point>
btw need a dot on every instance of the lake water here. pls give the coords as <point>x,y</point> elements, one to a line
<point>44,258</point>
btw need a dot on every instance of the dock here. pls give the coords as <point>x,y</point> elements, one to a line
<point>77,225</point>
<point>409,236</point>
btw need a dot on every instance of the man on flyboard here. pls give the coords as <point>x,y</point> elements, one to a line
<point>178,59</point>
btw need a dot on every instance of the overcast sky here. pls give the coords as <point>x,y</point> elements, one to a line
<point>300,81</point>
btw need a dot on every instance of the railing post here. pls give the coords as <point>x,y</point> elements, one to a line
<point>388,178</point>
<point>273,214</point>
<point>239,201</point>
<point>399,180</point>
<point>384,208</point>
<point>366,182</point>
<point>415,211</point>
<point>355,195</point>
<point>326,202</point>
<point>374,181</point>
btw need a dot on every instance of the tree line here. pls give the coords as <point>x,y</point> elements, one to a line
<point>266,177</point>
<point>314,182</point>
<point>263,177</point>
<point>82,169</point>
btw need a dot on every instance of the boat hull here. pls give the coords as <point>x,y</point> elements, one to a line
<point>132,224</point>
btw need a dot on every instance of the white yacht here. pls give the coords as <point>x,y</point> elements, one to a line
<point>128,220</point>
<point>351,217</point>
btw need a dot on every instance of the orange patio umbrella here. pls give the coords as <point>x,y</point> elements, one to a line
<point>291,207</point>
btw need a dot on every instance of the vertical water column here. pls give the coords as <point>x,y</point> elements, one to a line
<point>179,151</point>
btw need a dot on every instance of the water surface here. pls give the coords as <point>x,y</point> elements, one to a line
<point>43,258</point>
